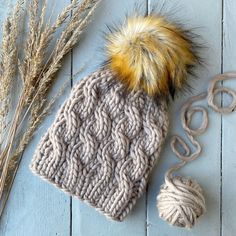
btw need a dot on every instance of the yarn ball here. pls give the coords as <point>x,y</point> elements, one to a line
<point>181,201</point>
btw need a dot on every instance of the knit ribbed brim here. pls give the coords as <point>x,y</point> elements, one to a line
<point>103,144</point>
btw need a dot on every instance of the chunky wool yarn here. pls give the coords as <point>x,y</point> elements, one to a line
<point>181,201</point>
<point>103,144</point>
<point>107,136</point>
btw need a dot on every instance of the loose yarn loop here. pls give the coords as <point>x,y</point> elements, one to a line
<point>181,201</point>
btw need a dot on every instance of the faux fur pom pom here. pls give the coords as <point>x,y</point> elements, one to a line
<point>152,54</point>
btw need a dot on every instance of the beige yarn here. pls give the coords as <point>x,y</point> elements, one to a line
<point>103,144</point>
<point>181,201</point>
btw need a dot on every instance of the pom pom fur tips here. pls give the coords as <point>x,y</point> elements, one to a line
<point>153,54</point>
<point>105,140</point>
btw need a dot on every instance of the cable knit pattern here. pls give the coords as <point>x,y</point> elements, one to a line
<point>103,144</point>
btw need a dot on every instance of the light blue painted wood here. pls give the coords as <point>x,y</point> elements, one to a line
<point>5,8</point>
<point>35,207</point>
<point>85,220</point>
<point>206,169</point>
<point>228,125</point>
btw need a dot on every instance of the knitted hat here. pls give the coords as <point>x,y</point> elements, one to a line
<point>108,135</point>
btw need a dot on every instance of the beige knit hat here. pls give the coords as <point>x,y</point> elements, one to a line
<point>103,144</point>
<point>108,135</point>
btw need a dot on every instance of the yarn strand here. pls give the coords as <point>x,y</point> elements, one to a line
<point>181,201</point>
<point>187,113</point>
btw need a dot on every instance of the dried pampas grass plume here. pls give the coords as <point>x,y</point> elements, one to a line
<point>152,54</point>
<point>30,62</point>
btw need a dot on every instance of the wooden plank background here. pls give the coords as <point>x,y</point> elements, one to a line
<point>39,209</point>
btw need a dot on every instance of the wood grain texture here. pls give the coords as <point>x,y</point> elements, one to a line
<point>35,207</point>
<point>228,124</point>
<point>85,220</point>
<point>38,208</point>
<point>206,169</point>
